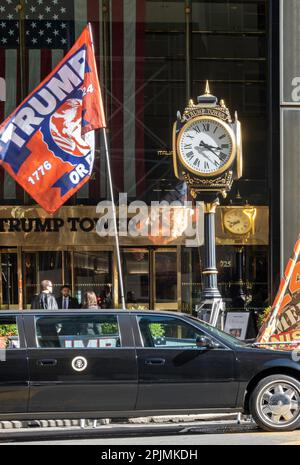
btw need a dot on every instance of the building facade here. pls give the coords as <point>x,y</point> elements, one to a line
<point>152,57</point>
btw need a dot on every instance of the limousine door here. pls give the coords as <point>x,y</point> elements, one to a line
<point>81,363</point>
<point>14,389</point>
<point>175,374</point>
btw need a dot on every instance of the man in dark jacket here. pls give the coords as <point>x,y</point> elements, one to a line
<point>66,301</point>
<point>45,300</point>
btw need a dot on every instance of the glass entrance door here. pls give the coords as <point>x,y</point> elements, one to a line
<point>9,292</point>
<point>165,279</point>
<point>92,271</point>
<point>136,273</point>
<point>151,278</point>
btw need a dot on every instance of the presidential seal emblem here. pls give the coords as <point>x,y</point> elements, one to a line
<point>79,363</point>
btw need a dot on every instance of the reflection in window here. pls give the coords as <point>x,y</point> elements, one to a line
<point>136,277</point>
<point>9,272</point>
<point>9,336</point>
<point>93,272</point>
<point>38,266</point>
<point>167,332</point>
<point>78,332</point>
<point>166,276</point>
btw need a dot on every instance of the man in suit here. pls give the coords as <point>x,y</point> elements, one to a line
<point>66,301</point>
<point>45,300</point>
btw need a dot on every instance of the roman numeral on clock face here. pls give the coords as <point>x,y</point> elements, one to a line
<point>189,155</point>
<point>188,146</point>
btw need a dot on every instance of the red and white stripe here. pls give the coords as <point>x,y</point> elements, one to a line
<point>10,70</point>
<point>127,98</point>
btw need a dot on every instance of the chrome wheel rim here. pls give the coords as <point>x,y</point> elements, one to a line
<point>279,403</point>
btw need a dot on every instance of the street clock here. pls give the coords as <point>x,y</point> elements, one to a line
<point>207,147</point>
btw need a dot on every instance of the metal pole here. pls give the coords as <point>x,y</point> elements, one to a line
<point>22,46</point>
<point>114,220</point>
<point>113,207</point>
<point>210,273</point>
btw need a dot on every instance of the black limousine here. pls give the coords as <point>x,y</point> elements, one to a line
<point>113,363</point>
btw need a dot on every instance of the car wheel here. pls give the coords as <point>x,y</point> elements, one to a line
<point>275,403</point>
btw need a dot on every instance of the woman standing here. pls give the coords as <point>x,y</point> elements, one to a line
<point>90,300</point>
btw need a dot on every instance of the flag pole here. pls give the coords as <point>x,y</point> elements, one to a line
<point>114,219</point>
<point>111,190</point>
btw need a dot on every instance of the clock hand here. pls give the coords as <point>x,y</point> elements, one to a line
<point>210,147</point>
<point>203,154</point>
<point>207,147</point>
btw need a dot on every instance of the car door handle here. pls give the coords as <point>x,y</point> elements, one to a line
<point>47,363</point>
<point>155,361</point>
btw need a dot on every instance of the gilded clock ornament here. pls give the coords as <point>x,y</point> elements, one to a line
<point>207,146</point>
<point>237,221</point>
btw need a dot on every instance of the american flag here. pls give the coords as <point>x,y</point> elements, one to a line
<point>119,35</point>
<point>48,23</point>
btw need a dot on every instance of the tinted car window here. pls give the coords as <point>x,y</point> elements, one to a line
<point>217,332</point>
<point>9,336</point>
<point>71,332</point>
<point>160,331</point>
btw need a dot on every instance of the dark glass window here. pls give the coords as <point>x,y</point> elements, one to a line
<point>78,332</point>
<point>167,332</point>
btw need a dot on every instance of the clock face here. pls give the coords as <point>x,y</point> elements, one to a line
<point>237,221</point>
<point>206,146</point>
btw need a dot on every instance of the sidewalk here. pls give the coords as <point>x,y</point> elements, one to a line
<point>5,425</point>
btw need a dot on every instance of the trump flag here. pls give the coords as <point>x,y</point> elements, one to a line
<point>283,322</point>
<point>47,143</point>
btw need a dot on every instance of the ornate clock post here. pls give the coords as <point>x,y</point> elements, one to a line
<point>207,155</point>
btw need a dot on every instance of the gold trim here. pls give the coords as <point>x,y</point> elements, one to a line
<point>239,149</point>
<point>211,207</point>
<point>207,89</point>
<point>210,272</point>
<point>175,166</point>
<point>232,154</point>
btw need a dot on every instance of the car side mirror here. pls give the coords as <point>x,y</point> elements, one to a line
<point>203,342</point>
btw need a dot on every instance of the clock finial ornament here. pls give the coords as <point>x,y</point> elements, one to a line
<point>207,89</point>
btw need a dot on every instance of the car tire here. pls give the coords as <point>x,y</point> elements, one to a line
<point>275,403</point>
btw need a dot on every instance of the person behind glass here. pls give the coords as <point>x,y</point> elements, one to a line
<point>45,300</point>
<point>90,300</point>
<point>66,301</point>
<point>106,297</point>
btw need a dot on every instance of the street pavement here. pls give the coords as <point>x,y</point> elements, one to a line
<point>199,433</point>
